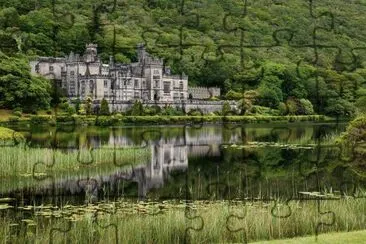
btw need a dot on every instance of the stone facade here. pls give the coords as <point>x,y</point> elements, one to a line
<point>147,80</point>
<point>203,92</point>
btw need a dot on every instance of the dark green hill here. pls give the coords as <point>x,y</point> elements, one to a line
<point>298,49</point>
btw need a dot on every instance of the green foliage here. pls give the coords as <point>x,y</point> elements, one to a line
<point>226,108</point>
<point>137,109</point>
<point>42,119</point>
<point>88,106</point>
<point>71,110</point>
<point>170,111</point>
<point>306,107</point>
<point>356,131</point>
<point>283,110</point>
<point>7,134</point>
<point>18,89</point>
<point>104,108</point>
<point>339,108</point>
<point>152,110</point>
<point>28,27</point>
<point>17,113</point>
<point>232,95</point>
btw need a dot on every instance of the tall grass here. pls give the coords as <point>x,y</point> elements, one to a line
<point>222,222</point>
<point>23,166</point>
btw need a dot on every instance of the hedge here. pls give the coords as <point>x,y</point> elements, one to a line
<point>136,120</point>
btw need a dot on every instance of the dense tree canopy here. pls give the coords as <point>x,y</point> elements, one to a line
<point>268,48</point>
<point>18,89</point>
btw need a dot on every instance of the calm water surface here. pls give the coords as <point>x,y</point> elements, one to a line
<point>258,162</point>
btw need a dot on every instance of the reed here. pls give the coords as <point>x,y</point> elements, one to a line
<point>24,166</point>
<point>167,222</point>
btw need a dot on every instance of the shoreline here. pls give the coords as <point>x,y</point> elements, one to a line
<point>115,120</point>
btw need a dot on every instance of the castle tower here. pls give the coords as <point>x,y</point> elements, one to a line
<point>141,53</point>
<point>91,53</point>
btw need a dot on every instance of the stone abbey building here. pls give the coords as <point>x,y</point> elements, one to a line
<point>147,80</point>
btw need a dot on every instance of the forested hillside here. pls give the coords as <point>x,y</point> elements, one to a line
<point>287,52</point>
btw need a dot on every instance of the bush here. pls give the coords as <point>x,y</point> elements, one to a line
<point>17,113</point>
<point>42,119</point>
<point>136,110</point>
<point>226,108</point>
<point>152,110</point>
<point>13,118</point>
<point>106,121</point>
<point>170,111</point>
<point>71,110</point>
<point>63,106</point>
<point>88,105</point>
<point>7,134</point>
<point>17,110</point>
<point>49,111</point>
<point>233,95</point>
<point>283,110</point>
<point>104,108</point>
<point>269,96</point>
<point>339,107</point>
<point>306,107</point>
<point>292,106</point>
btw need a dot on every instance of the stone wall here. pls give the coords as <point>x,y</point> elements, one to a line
<point>203,92</point>
<point>204,106</point>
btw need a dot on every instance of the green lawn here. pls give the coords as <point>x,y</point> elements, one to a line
<point>331,238</point>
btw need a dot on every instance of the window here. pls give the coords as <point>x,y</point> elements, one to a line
<point>51,68</point>
<point>181,95</point>
<point>181,85</point>
<point>156,72</point>
<point>136,95</point>
<point>166,87</point>
<point>82,87</point>
<point>136,83</point>
<point>72,73</point>
<point>156,84</point>
<point>105,83</point>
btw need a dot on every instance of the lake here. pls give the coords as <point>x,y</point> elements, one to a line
<point>208,162</point>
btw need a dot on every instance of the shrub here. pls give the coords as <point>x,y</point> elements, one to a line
<point>226,108</point>
<point>292,106</point>
<point>104,108</point>
<point>82,110</point>
<point>41,119</point>
<point>137,109</point>
<point>13,118</point>
<point>17,113</point>
<point>306,107</point>
<point>7,134</point>
<point>71,110</point>
<point>88,105</point>
<point>64,105</point>
<point>49,111</point>
<point>269,96</point>
<point>18,109</point>
<point>106,121</point>
<point>339,107</point>
<point>233,95</point>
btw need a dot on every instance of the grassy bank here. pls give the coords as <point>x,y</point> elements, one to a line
<point>7,135</point>
<point>115,120</point>
<point>331,238</point>
<point>169,222</point>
